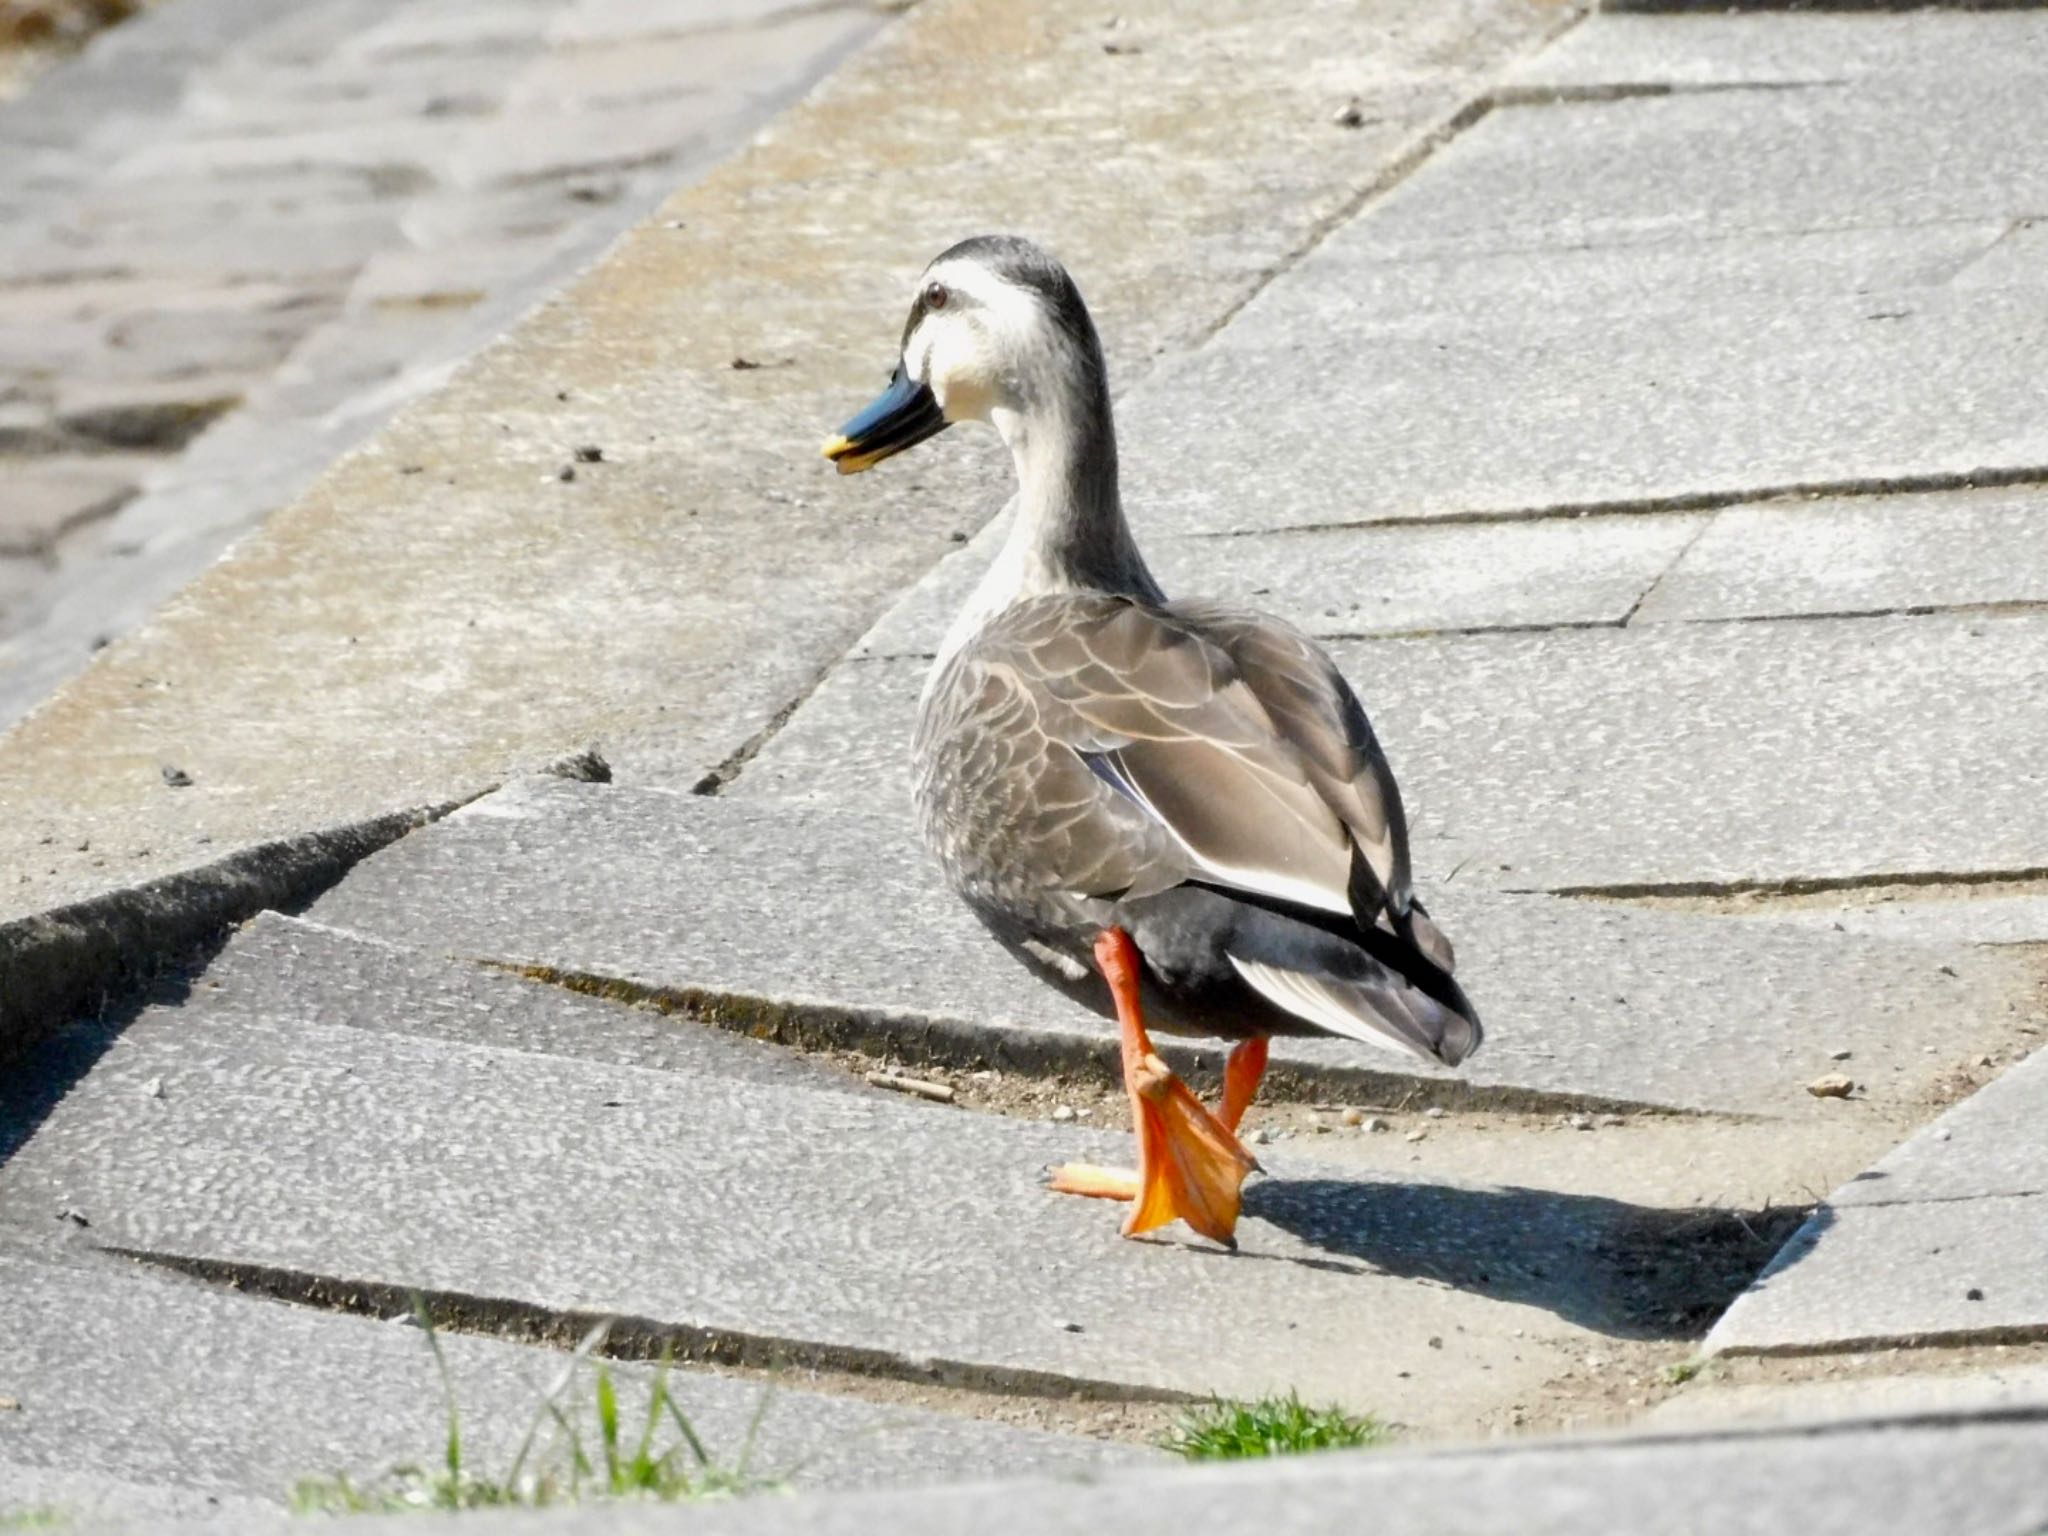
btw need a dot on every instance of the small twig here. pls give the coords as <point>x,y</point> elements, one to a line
<point>938,1093</point>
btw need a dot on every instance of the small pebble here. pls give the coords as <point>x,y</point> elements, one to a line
<point>1375,1124</point>
<point>1261,1137</point>
<point>1071,1327</point>
<point>1942,1133</point>
<point>1434,1112</point>
<point>1973,1294</point>
<point>154,1088</point>
<point>177,778</point>
<point>1833,1085</point>
<point>10,1405</point>
<point>590,453</point>
<point>1063,1113</point>
<point>1840,1055</point>
<point>566,472</point>
<point>1350,115</point>
<point>1436,1341</point>
<point>76,1217</point>
<point>1416,1135</point>
<point>1353,1117</point>
<point>1579,1122</point>
<point>1611,1120</point>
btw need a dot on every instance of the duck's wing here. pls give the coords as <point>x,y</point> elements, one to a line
<point>1236,739</point>
<point>1315,710</point>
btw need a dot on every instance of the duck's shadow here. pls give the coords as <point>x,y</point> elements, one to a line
<point>1628,1271</point>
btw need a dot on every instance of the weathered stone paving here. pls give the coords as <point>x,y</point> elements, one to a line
<point>198,1398</point>
<point>1873,1479</point>
<point>758,906</point>
<point>842,1227</point>
<point>295,216</point>
<point>1655,440</point>
<point>1938,1241</point>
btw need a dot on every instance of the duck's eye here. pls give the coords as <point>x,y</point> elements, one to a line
<point>935,295</point>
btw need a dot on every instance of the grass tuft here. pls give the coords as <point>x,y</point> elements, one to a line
<point>665,1460</point>
<point>1685,1370</point>
<point>1224,1430</point>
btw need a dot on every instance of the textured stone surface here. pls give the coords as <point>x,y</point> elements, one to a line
<point>42,498</point>
<point>1851,155</point>
<point>506,616</point>
<point>1671,756</point>
<point>2002,1389</point>
<point>849,1224</point>
<point>1777,48</point>
<point>323,137</point>
<point>1859,1277</point>
<point>1354,581</point>
<point>284,969</point>
<point>150,1390</point>
<point>1945,1238</point>
<point>1990,1144</point>
<point>1558,408</point>
<point>1903,1479</point>
<point>1582,998</point>
<point>1864,555</point>
<point>2000,914</point>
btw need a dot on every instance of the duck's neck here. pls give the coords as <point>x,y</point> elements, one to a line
<point>1069,533</point>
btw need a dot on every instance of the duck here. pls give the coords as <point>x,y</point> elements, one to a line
<point>1174,809</point>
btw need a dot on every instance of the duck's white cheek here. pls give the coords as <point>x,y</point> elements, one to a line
<point>962,396</point>
<point>959,375</point>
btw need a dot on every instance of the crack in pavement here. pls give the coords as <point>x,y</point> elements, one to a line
<point>635,1338</point>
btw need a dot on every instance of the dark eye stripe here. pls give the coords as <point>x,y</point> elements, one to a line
<point>918,309</point>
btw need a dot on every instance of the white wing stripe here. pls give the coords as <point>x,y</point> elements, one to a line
<point>1313,999</point>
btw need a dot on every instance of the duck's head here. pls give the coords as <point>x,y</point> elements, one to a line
<point>997,332</point>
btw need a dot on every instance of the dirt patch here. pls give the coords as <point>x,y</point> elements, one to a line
<point>59,24</point>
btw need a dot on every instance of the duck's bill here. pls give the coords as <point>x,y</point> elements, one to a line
<point>904,415</point>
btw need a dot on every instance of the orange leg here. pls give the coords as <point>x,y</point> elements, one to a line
<point>1241,1075</point>
<point>1190,1166</point>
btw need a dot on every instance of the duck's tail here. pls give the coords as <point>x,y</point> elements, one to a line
<point>1378,1007</point>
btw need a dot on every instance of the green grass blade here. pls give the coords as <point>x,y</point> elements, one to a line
<point>452,1452</point>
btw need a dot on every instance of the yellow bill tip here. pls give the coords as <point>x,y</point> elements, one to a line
<point>836,445</point>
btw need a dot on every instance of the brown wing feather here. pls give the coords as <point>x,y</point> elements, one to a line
<point>1233,730</point>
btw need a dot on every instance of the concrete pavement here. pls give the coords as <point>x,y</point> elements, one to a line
<point>1647,420</point>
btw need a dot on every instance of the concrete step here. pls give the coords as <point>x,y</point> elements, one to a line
<point>282,1124</point>
<point>1943,1241</point>
<point>143,1394</point>
<point>1875,1477</point>
<point>1588,1000</point>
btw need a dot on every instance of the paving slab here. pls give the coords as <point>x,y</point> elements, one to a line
<point>841,1227</point>
<point>1943,1240</point>
<point>1961,1473</point>
<point>1778,48</point>
<point>1994,914</point>
<point>1547,408</point>
<point>1583,999</point>
<point>1355,581</point>
<point>153,1390</point>
<point>1860,555</point>
<point>44,496</point>
<point>280,969</point>
<point>1705,165</point>
<point>1993,1388</point>
<point>1865,1277</point>
<point>1672,757</point>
